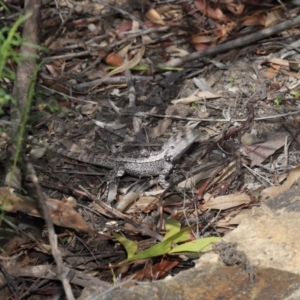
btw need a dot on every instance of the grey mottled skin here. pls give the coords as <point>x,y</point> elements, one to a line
<point>156,163</point>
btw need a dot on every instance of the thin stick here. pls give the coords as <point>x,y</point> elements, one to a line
<point>237,43</point>
<point>212,119</point>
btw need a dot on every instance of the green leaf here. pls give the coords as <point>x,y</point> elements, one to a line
<point>173,236</point>
<point>172,227</point>
<point>278,100</point>
<point>297,94</point>
<point>164,247</point>
<point>157,250</point>
<point>182,236</point>
<point>200,245</point>
<point>131,247</point>
<point>256,195</point>
<point>64,240</point>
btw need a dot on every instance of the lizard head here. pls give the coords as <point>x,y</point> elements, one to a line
<point>176,146</point>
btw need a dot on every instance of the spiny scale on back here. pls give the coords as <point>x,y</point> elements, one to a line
<point>156,163</point>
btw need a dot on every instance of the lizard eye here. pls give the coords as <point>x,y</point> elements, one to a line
<point>167,158</point>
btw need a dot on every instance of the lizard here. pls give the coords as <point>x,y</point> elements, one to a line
<point>155,163</point>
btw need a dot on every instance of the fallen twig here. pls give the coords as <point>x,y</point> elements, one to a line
<point>237,43</point>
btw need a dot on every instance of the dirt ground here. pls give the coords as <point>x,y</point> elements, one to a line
<point>121,78</point>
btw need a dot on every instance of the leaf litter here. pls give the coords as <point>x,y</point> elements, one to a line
<point>90,70</point>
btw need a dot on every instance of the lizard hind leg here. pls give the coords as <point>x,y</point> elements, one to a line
<point>162,181</point>
<point>119,171</point>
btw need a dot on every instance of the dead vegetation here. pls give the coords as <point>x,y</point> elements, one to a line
<point>119,78</point>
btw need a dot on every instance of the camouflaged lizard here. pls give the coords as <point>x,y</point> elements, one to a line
<point>155,163</point>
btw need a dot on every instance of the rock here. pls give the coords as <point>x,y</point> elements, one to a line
<point>211,281</point>
<point>269,235</point>
<point>264,251</point>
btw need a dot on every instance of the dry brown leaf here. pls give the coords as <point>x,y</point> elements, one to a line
<point>15,242</point>
<point>258,18</point>
<point>235,8</point>
<point>278,61</point>
<point>225,202</point>
<point>166,8</point>
<point>191,182</point>
<point>214,13</point>
<point>126,201</point>
<point>50,272</point>
<point>64,215</point>
<point>273,17</point>
<point>198,95</point>
<point>89,108</point>
<point>226,172</point>
<point>294,65</point>
<point>132,63</point>
<point>123,27</point>
<point>174,51</point>
<point>62,42</point>
<point>155,17</point>
<point>61,213</point>
<point>200,47</point>
<point>124,50</point>
<point>211,131</point>
<point>141,204</point>
<point>233,218</point>
<point>274,191</point>
<point>291,74</point>
<point>55,69</point>
<point>272,71</point>
<point>249,139</point>
<point>72,147</point>
<point>259,152</point>
<point>114,59</point>
<point>157,270</point>
<point>101,210</point>
<point>203,39</point>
